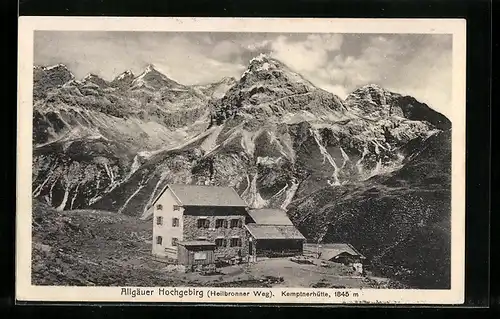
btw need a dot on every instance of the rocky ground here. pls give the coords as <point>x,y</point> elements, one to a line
<point>96,248</point>
<point>92,248</point>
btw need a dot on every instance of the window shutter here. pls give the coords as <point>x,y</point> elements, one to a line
<point>225,223</point>
<point>235,223</point>
<point>240,223</point>
<point>207,223</point>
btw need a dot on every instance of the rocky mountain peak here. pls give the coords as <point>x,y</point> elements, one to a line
<point>268,89</point>
<point>376,102</point>
<point>124,79</point>
<point>126,74</point>
<point>371,93</point>
<point>90,76</point>
<point>49,77</point>
<point>150,68</point>
<point>228,80</point>
<point>269,74</point>
<point>55,67</point>
<point>60,70</point>
<point>152,78</point>
<point>263,61</point>
<point>95,79</point>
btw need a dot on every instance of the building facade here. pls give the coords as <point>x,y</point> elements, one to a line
<point>223,226</point>
<point>188,213</point>
<point>168,225</point>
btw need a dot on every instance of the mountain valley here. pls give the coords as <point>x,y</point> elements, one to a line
<point>373,169</point>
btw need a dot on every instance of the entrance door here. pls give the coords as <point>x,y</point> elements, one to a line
<point>250,248</point>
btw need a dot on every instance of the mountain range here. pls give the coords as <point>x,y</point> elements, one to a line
<point>373,169</point>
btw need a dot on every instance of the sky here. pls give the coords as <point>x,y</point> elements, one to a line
<point>419,65</point>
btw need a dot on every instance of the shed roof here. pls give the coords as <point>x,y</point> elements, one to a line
<point>273,231</point>
<point>203,195</point>
<point>270,216</point>
<point>196,243</point>
<point>329,251</point>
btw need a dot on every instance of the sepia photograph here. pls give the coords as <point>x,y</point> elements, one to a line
<point>169,162</point>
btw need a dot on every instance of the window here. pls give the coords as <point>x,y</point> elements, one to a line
<point>174,241</point>
<point>159,240</point>
<point>235,242</point>
<point>203,223</point>
<point>236,223</point>
<point>175,222</point>
<point>220,242</point>
<point>159,220</point>
<point>176,207</point>
<point>221,223</point>
<point>159,207</point>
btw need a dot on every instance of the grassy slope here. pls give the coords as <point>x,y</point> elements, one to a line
<point>87,248</point>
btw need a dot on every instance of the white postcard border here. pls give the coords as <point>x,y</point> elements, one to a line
<point>27,25</point>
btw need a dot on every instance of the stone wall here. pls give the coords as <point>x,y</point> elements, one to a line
<point>192,232</point>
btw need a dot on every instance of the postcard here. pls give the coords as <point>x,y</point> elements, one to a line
<point>241,160</point>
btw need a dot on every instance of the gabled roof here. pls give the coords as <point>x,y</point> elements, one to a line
<point>202,195</point>
<point>329,251</point>
<point>270,216</point>
<point>273,231</point>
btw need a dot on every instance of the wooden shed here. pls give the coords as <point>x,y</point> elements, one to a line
<point>337,252</point>
<point>274,241</point>
<point>272,234</point>
<point>193,254</point>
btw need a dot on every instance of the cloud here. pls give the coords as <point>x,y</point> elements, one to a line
<point>417,65</point>
<point>189,60</point>
<point>227,50</point>
<point>308,55</point>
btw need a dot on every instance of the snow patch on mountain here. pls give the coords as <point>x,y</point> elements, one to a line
<point>52,67</point>
<point>209,144</point>
<point>146,213</point>
<point>124,74</point>
<point>267,160</point>
<point>290,193</point>
<point>252,196</point>
<point>326,156</point>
